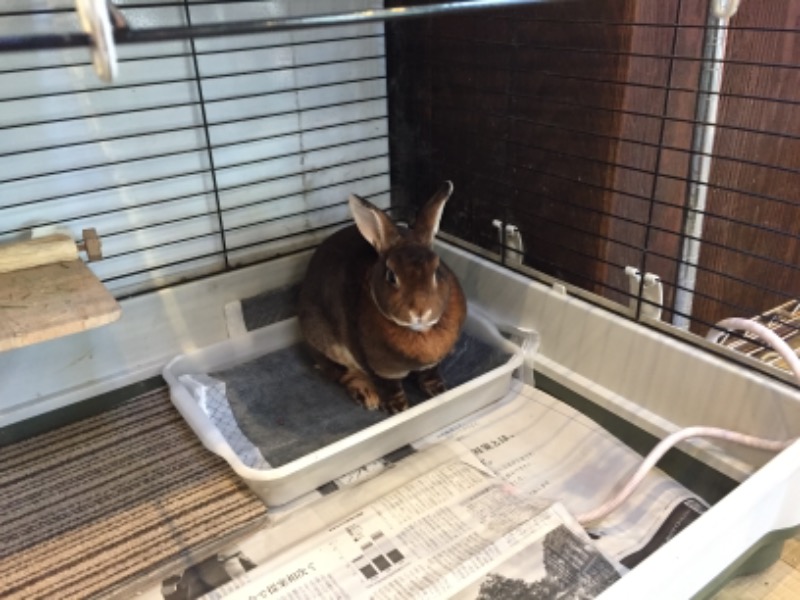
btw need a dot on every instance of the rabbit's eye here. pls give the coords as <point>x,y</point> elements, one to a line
<point>391,278</point>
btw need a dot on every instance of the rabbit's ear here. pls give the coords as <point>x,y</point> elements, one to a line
<point>373,224</point>
<point>427,224</point>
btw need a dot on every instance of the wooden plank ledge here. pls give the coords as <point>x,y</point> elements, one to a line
<point>51,301</point>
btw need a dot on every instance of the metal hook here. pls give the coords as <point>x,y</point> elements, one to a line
<point>95,18</point>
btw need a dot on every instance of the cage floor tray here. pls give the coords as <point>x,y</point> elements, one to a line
<point>307,428</point>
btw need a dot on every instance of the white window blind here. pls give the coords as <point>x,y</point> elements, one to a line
<point>198,158</point>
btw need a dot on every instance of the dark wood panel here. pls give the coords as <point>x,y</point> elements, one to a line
<point>489,26</point>
<point>506,99</point>
<point>409,79</point>
<point>552,121</point>
<point>472,78</point>
<point>663,41</point>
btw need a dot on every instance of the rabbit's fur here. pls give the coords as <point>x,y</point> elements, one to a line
<point>377,304</point>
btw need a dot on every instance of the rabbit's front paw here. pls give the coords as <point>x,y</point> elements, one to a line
<point>361,389</point>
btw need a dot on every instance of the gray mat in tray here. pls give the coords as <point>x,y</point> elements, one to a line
<point>288,409</point>
<point>270,307</point>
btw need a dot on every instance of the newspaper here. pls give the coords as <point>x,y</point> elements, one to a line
<point>485,502</point>
<point>552,452</point>
<point>449,531</point>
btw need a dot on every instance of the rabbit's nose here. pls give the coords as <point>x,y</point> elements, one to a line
<point>421,322</point>
<point>417,318</point>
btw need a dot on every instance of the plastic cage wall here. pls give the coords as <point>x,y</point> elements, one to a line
<point>586,140</point>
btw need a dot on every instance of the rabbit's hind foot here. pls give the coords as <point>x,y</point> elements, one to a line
<point>430,382</point>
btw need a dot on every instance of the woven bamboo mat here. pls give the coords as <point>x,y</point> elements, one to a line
<point>92,507</point>
<point>784,321</point>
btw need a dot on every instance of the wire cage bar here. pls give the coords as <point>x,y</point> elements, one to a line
<point>127,35</point>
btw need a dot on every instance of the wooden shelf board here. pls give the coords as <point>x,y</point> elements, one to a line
<point>51,301</point>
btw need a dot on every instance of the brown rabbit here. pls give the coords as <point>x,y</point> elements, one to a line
<point>378,304</point>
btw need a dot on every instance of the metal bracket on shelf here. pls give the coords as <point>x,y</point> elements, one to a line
<point>91,245</point>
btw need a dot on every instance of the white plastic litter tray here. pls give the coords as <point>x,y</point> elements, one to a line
<point>281,484</point>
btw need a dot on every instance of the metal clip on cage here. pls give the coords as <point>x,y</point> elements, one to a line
<point>95,17</point>
<point>528,339</point>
